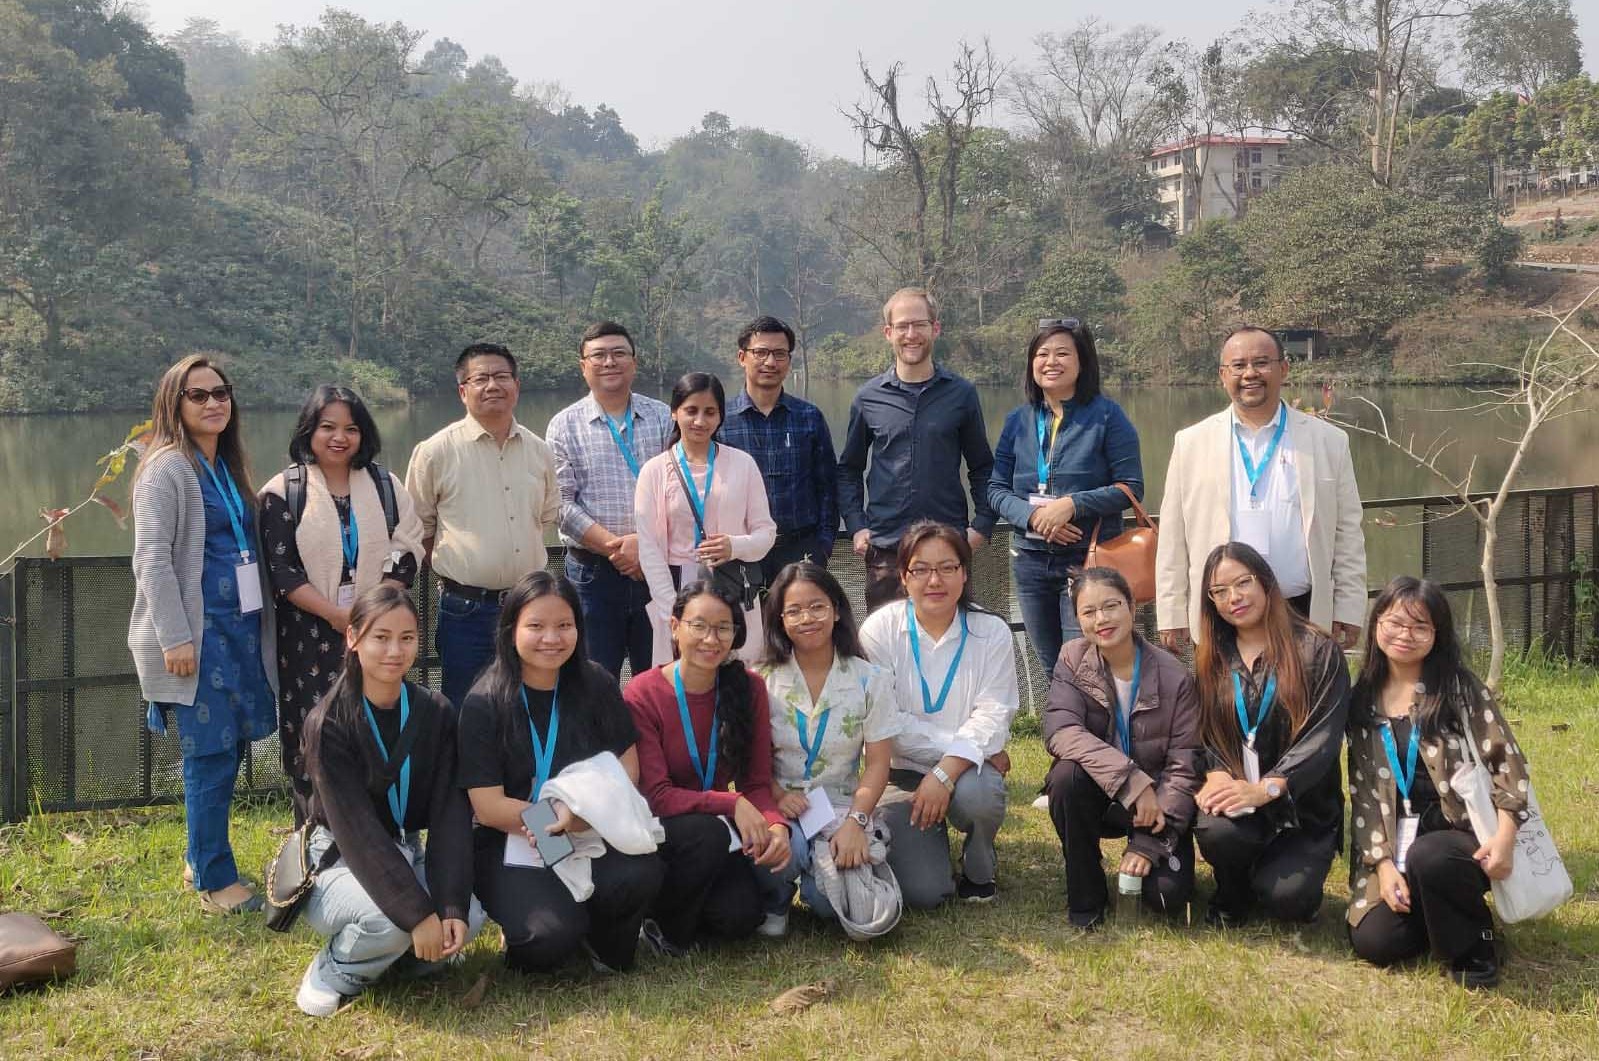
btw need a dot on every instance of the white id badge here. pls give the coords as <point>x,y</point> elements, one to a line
<point>346,595</point>
<point>1254,530</point>
<point>248,579</point>
<point>1408,825</point>
<point>1251,764</point>
<point>518,852</point>
<point>1038,501</point>
<point>819,812</point>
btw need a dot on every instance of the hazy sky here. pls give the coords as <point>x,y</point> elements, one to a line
<point>786,67</point>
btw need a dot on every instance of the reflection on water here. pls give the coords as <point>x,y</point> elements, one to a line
<point>49,461</point>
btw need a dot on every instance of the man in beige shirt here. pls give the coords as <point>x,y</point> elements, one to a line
<point>485,490</point>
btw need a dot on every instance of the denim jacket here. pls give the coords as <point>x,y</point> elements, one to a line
<point>1098,447</point>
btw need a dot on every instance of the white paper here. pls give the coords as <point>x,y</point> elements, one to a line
<point>1408,826</point>
<point>1251,764</point>
<point>519,852</point>
<point>737,842</point>
<point>346,595</point>
<point>1254,529</point>
<point>819,812</point>
<point>248,579</point>
<point>1038,501</point>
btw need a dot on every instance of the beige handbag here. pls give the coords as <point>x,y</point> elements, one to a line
<point>1131,552</point>
<point>30,951</point>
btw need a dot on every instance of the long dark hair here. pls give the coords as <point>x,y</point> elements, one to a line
<point>691,383</point>
<point>779,649</point>
<point>735,733</point>
<point>342,702</point>
<point>500,684</point>
<point>1444,672</point>
<point>1087,387</point>
<point>168,432</point>
<point>1218,640</point>
<point>311,415</point>
<point>923,531</point>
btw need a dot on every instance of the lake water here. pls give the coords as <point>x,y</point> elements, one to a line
<point>49,461</point>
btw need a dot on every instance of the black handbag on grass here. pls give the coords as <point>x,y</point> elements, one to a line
<point>290,877</point>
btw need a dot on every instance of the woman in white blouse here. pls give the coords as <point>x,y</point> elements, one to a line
<point>954,673</point>
<point>830,708</point>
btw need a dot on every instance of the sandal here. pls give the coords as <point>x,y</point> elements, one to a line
<point>250,905</point>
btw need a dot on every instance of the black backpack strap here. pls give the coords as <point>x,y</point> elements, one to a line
<point>385,484</point>
<point>294,491</point>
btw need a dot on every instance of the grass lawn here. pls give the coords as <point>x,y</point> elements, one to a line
<point>157,979</point>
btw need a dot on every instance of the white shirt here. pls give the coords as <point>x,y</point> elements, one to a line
<point>858,698</point>
<point>975,721</point>
<point>1272,522</point>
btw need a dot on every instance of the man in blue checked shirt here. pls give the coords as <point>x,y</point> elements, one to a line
<point>789,440</point>
<point>600,442</point>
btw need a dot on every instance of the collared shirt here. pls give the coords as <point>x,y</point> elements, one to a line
<point>975,721</point>
<point>486,506</point>
<point>858,698</point>
<point>794,450</point>
<point>916,435</point>
<point>595,482</point>
<point>1277,491</point>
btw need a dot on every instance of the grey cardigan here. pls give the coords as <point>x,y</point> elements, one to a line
<point>168,555</point>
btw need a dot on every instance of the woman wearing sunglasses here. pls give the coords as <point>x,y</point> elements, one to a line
<point>1273,697</point>
<point>202,642</point>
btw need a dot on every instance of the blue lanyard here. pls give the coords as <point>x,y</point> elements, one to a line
<point>1406,777</point>
<point>400,791</point>
<point>624,436</point>
<point>543,753</point>
<point>1046,448</point>
<point>811,749</point>
<point>352,540</point>
<point>1124,728</point>
<point>928,704</point>
<point>1252,472</point>
<point>1243,712</point>
<point>695,500</point>
<point>707,773</point>
<point>232,502</point>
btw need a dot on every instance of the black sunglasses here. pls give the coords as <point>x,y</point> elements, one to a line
<point>199,395</point>
<point>1071,324</point>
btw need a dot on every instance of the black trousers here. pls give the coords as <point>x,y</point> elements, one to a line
<point>544,926</point>
<point>1280,873</point>
<point>1447,908</point>
<point>882,577</point>
<point>1083,815</point>
<point>789,549</point>
<point>1301,604</point>
<point>708,890</point>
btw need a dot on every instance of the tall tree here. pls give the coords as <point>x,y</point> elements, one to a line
<point>1523,44</point>
<point>1101,82</point>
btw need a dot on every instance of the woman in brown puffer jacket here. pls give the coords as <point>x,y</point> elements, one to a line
<point>1123,725</point>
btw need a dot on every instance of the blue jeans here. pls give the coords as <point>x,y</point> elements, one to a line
<point>208,782</point>
<point>614,622</point>
<point>1047,610</point>
<point>465,640</point>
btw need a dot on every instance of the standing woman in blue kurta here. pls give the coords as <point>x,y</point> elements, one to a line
<point>1055,469</point>
<point>201,641</point>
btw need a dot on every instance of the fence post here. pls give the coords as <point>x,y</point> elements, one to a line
<point>8,700</point>
<point>1558,597</point>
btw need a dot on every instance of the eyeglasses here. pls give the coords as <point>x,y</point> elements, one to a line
<point>199,395</point>
<point>483,379</point>
<point>700,629</point>
<point>1069,323</point>
<point>922,572</point>
<point>1259,364</point>
<point>906,327</point>
<point>1243,586</point>
<point>600,357</point>
<point>773,355</point>
<point>1410,631</point>
<point>818,611</point>
<point>1110,610</point>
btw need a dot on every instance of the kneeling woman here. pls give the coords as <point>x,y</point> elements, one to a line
<point>949,756</point>
<point>1273,694</point>
<point>703,725</point>
<point>539,707</point>
<point>1417,871</point>
<point>1123,725</point>
<point>381,756</point>
<point>830,708</point>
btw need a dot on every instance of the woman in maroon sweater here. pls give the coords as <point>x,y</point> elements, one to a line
<point>702,725</point>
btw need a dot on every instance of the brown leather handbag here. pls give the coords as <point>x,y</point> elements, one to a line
<point>30,951</point>
<point>1131,552</point>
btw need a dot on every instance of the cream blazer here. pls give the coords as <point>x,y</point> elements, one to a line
<point>1195,518</point>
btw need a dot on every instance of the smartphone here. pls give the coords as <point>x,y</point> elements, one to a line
<point>553,847</point>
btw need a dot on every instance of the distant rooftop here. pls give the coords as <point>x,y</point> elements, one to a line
<point>1220,141</point>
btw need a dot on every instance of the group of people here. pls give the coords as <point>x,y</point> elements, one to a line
<point>767,744</point>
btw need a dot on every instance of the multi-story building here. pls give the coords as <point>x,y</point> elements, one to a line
<point>1215,176</point>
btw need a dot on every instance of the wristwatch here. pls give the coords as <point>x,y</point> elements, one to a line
<point>944,778</point>
<point>1274,789</point>
<point>859,819</point>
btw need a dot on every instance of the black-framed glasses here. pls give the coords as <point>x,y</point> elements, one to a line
<point>483,379</point>
<point>1071,324</point>
<point>200,395</point>
<point>762,353</point>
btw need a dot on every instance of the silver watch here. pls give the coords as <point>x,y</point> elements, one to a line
<point>944,778</point>
<point>859,819</point>
<point>1274,789</point>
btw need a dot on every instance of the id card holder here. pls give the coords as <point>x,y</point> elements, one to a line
<point>819,812</point>
<point>1038,501</point>
<point>1254,528</point>
<point>247,577</point>
<point>1409,825</point>
<point>1251,764</point>
<point>346,595</point>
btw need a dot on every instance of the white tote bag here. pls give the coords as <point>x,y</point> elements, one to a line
<point>1538,881</point>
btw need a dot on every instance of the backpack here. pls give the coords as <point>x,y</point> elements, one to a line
<point>294,493</point>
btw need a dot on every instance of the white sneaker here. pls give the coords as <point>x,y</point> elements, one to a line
<point>1042,802</point>
<point>774,927</point>
<point>315,1000</point>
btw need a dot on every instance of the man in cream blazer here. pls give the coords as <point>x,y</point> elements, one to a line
<point>1262,473</point>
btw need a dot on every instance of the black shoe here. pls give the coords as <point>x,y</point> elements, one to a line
<point>650,933</point>
<point>1479,968</point>
<point>973,892</point>
<point>1087,920</point>
<point>1217,918</point>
